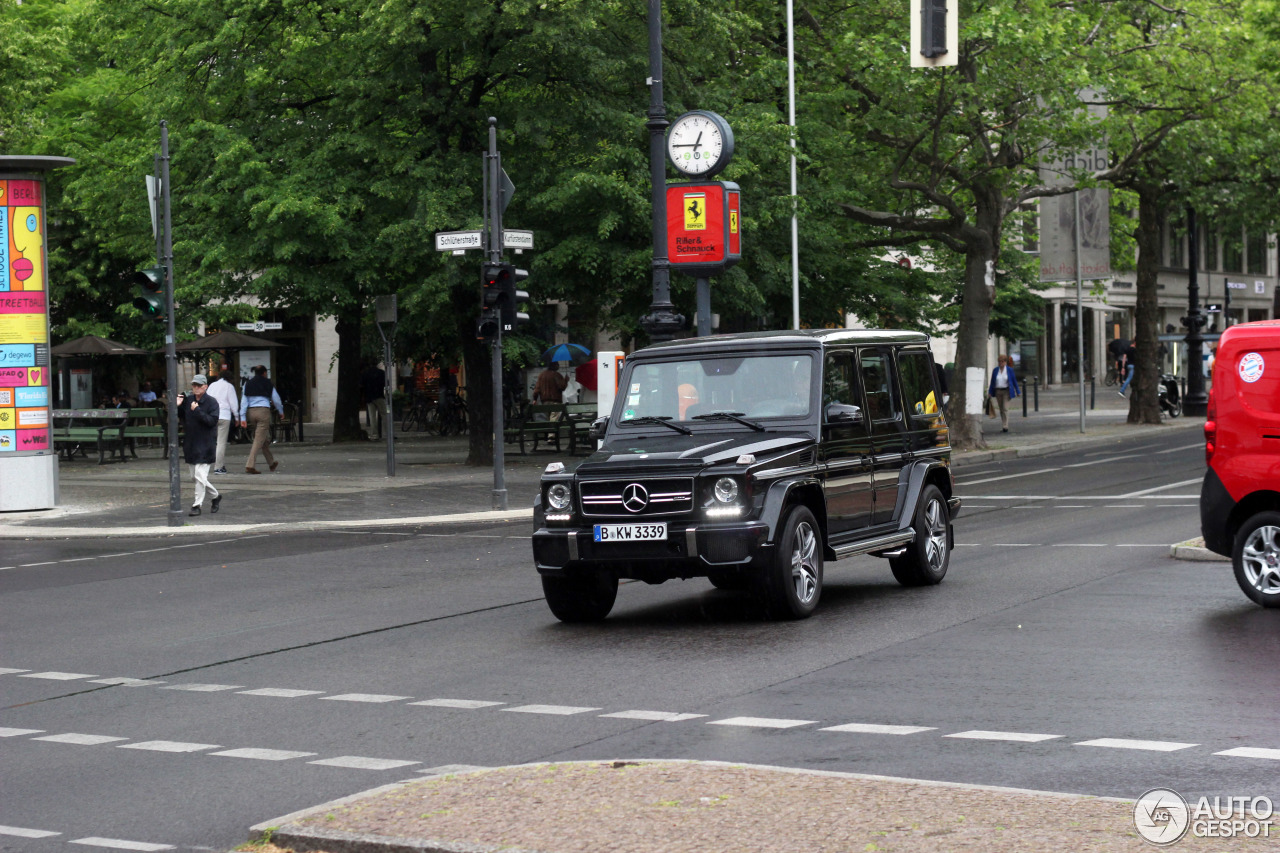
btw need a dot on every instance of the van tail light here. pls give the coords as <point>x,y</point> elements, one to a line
<point>1210,428</point>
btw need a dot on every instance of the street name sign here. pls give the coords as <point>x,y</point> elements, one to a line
<point>457,241</point>
<point>517,239</point>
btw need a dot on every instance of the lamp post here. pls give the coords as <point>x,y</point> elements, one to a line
<point>1197,401</point>
<point>662,322</point>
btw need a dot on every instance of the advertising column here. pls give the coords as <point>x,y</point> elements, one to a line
<point>28,463</point>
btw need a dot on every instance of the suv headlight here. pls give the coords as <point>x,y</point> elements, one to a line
<point>559,496</point>
<point>726,490</point>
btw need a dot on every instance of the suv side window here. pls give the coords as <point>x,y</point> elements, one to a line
<point>840,380</point>
<point>916,372</point>
<point>877,381</point>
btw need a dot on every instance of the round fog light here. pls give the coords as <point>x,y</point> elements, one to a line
<point>558,496</point>
<point>726,490</point>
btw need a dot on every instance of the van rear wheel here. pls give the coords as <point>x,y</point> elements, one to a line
<point>925,560</point>
<point>1255,557</point>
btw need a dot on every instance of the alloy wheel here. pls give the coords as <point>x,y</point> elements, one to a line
<point>1261,560</point>
<point>804,569</point>
<point>935,547</point>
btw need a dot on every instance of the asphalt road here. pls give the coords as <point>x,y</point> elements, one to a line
<point>1065,651</point>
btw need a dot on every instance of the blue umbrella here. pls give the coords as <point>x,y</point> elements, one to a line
<point>567,352</point>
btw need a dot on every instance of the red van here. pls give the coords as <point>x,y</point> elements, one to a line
<point>1240,497</point>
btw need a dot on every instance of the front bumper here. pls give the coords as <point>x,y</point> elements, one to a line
<point>690,550</point>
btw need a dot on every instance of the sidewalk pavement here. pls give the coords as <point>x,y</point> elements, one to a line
<point>321,485</point>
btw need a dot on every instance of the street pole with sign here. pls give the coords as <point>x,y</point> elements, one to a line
<point>176,513</point>
<point>1197,401</point>
<point>500,189</point>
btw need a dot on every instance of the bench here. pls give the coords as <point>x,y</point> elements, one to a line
<point>544,423</point>
<point>580,417</point>
<point>147,424</point>
<point>74,430</point>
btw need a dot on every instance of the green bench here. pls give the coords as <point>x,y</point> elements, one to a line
<point>554,425</point>
<point>580,417</point>
<point>76,430</point>
<point>148,424</point>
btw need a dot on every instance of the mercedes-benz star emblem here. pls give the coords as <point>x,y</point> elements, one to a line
<point>635,498</point>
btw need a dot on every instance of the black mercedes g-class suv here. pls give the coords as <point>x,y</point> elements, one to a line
<point>750,460</point>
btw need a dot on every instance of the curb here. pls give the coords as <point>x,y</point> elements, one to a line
<point>288,831</point>
<point>1193,550</point>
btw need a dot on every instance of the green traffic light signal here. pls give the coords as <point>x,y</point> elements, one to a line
<point>150,299</point>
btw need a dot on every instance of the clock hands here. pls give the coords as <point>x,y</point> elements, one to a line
<point>695,145</point>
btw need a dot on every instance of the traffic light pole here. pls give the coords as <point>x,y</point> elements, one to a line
<point>170,334</point>
<point>493,244</point>
<point>662,322</point>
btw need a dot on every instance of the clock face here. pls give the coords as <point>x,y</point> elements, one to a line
<point>697,143</point>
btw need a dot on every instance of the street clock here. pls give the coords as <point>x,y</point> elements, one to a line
<point>700,144</point>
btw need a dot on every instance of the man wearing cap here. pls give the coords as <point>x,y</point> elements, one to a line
<point>199,412</point>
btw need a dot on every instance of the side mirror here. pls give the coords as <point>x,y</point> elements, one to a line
<point>598,427</point>
<point>842,413</point>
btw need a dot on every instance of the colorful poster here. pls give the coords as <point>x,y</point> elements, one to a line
<point>24,322</point>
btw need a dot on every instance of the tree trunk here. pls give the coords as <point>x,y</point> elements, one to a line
<point>477,356</point>
<point>975,324</point>
<point>346,414</point>
<point>1144,404</point>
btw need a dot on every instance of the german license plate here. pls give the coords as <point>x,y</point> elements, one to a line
<point>630,532</point>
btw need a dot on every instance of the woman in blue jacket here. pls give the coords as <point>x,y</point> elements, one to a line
<point>1003,387</point>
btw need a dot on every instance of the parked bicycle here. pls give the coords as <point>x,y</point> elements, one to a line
<point>451,415</point>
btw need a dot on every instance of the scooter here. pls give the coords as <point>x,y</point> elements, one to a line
<point>1170,398</point>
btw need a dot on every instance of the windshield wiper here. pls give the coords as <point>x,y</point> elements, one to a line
<point>730,416</point>
<point>664,420</point>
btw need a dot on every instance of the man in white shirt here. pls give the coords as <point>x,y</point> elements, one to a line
<point>224,391</point>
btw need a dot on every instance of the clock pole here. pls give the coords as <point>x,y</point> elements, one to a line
<point>662,322</point>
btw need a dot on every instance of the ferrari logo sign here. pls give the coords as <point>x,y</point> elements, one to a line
<point>695,212</point>
<point>733,222</point>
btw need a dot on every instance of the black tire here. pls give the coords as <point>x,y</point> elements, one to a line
<point>1255,556</point>
<point>409,422</point>
<point>733,582</point>
<point>792,584</point>
<point>584,597</point>
<point>926,559</point>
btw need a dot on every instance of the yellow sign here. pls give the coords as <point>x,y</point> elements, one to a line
<point>22,329</point>
<point>695,212</point>
<point>733,222</point>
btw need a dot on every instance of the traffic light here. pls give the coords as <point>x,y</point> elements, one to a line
<point>150,299</point>
<point>933,28</point>
<point>513,298</point>
<point>487,325</point>
<point>491,276</point>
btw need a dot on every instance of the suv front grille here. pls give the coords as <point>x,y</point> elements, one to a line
<point>640,497</point>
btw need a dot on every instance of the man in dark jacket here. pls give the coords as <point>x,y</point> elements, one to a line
<point>199,412</point>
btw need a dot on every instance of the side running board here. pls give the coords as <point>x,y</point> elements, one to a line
<point>879,543</point>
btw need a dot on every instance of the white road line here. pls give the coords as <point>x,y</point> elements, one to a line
<point>29,565</point>
<point>280,692</point>
<point>1007,477</point>
<point>1251,752</point>
<point>1101,461</point>
<point>876,729</point>
<point>1015,545</point>
<point>203,688</point>
<point>263,754</point>
<point>1149,745</point>
<point>78,559</point>
<point>654,716</point>
<point>761,722</point>
<point>80,739</point>
<point>559,710</point>
<point>1079,545</point>
<point>4,670</point>
<point>1183,447</point>
<point>366,697</point>
<point>1160,488</point>
<point>1016,737</point>
<point>357,762</point>
<point>19,732</point>
<point>128,682</point>
<point>1140,545</point>
<point>1122,506</point>
<point>168,746</point>
<point>470,704</point>
<point>118,844</point>
<point>58,676</point>
<point>26,833</point>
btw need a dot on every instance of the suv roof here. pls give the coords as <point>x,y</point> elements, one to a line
<point>790,337</point>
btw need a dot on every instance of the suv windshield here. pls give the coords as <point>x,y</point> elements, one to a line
<point>751,387</point>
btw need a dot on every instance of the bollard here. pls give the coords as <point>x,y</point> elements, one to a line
<point>1093,393</point>
<point>1035,384</point>
<point>1024,396</point>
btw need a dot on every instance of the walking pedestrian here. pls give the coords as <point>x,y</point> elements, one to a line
<point>373,389</point>
<point>260,397</point>
<point>200,414</point>
<point>1003,387</point>
<point>224,391</point>
<point>1130,362</point>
